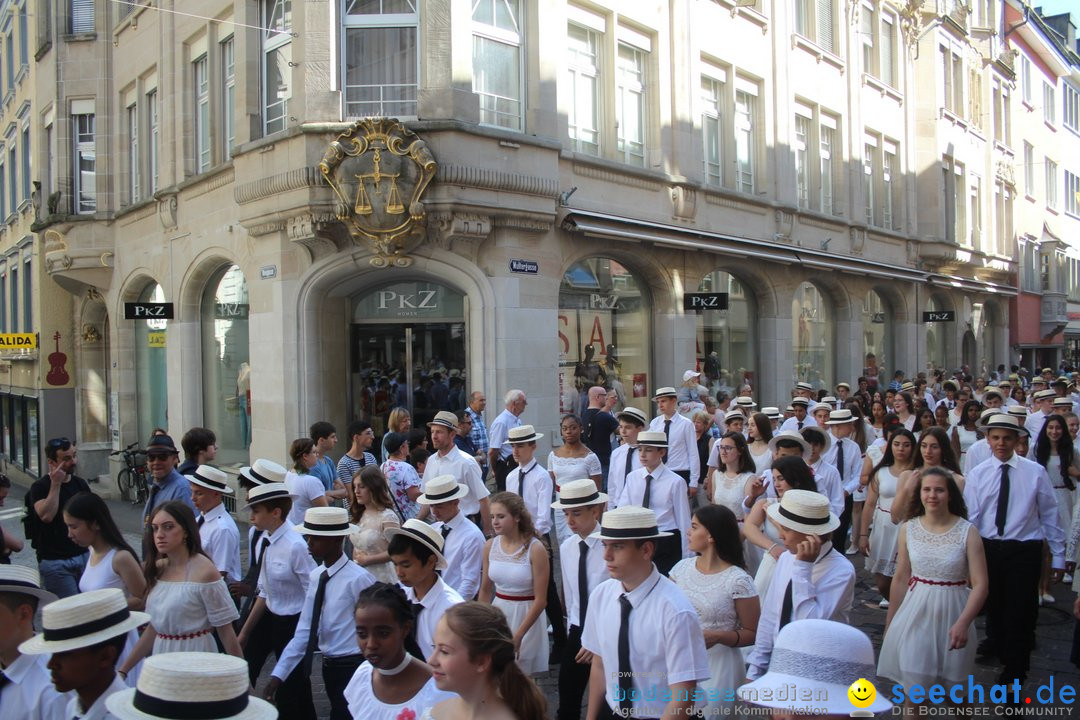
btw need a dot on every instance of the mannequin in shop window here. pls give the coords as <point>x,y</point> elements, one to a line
<point>243,398</point>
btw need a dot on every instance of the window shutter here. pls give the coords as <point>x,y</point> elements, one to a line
<point>82,16</point>
<point>825,24</point>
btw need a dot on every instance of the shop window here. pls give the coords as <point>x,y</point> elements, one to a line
<point>812,337</point>
<point>726,345</point>
<point>151,368</point>
<point>877,327</point>
<point>604,338</point>
<point>225,363</point>
<point>936,340</point>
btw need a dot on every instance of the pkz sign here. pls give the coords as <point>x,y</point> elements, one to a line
<point>148,311</point>
<point>930,316</point>
<point>705,301</point>
<point>410,300</point>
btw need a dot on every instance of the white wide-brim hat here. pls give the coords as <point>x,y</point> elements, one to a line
<point>804,511</point>
<point>734,415</point>
<point>817,659</point>
<point>264,472</point>
<point>773,413</point>
<point>664,392</point>
<point>629,522</point>
<point>83,620</point>
<point>793,436</point>
<point>805,386</point>
<point>993,391</point>
<point>442,488</point>
<point>211,478</point>
<point>578,493</point>
<point>633,414</point>
<point>1002,421</point>
<point>652,438</point>
<point>424,534</point>
<point>804,402</point>
<point>522,434</point>
<point>1045,394</point>
<point>269,491</point>
<point>745,402</point>
<point>840,417</point>
<point>1017,411</point>
<point>191,684</point>
<point>24,581</point>
<point>326,521</point>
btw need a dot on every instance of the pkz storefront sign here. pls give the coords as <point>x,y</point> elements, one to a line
<point>148,311</point>
<point>231,311</point>
<point>930,316</point>
<point>705,301</point>
<point>421,300</point>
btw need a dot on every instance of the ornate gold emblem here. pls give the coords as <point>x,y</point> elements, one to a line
<point>378,170</point>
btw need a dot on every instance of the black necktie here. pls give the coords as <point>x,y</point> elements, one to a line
<point>521,481</point>
<point>629,461</point>
<point>201,520</point>
<point>4,682</point>
<point>254,571</point>
<point>667,430</point>
<point>1003,501</point>
<point>648,492</point>
<point>785,608</point>
<point>316,612</point>
<point>445,530</point>
<point>582,583</point>
<point>800,424</point>
<point>154,490</point>
<point>840,460</point>
<point>626,679</point>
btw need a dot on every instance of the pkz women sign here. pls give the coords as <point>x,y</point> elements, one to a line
<point>411,300</point>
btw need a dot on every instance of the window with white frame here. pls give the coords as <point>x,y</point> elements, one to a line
<point>802,161</point>
<point>498,72</point>
<point>877,32</point>
<point>631,106</point>
<point>712,127</point>
<point>828,157</point>
<point>81,19</point>
<point>134,191</point>
<point>50,179</point>
<point>9,54</point>
<point>1049,104</point>
<point>1002,112</point>
<point>1051,184</point>
<point>1029,169</point>
<point>84,176</point>
<point>952,69</point>
<point>1029,264</point>
<point>889,168</point>
<point>1003,217</point>
<point>975,210</point>
<point>870,150</point>
<point>745,125</point>
<point>3,193</point>
<point>152,127</point>
<point>583,88</point>
<point>1072,194</point>
<point>25,143</point>
<point>228,95</point>
<point>201,84</point>
<point>24,37</point>
<point>381,57</point>
<point>975,98</point>
<point>887,35</point>
<point>13,173</point>
<point>1025,78</point>
<point>955,200</point>
<point>277,64</point>
<point>815,21</point>
<point>1070,107</point>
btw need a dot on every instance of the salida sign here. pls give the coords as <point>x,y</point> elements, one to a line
<point>18,341</point>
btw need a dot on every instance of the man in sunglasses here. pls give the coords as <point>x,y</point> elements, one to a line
<point>60,560</point>
<point>167,483</point>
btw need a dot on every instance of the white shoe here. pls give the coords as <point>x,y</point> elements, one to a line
<point>1067,579</point>
<point>884,604</point>
<point>852,550</point>
<point>1046,599</point>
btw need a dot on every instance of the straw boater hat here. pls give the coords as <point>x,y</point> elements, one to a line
<point>522,434</point>
<point>993,391</point>
<point>805,402</point>
<point>819,659</point>
<point>733,415</point>
<point>444,418</point>
<point>326,521</point>
<point>211,478</point>
<point>633,415</point>
<point>652,438</point>
<point>1038,380</point>
<point>629,522</point>
<point>804,511</point>
<point>690,374</point>
<point>907,387</point>
<point>840,417</point>
<point>24,581</point>
<point>804,386</point>
<point>426,535</point>
<point>745,402</point>
<point>790,409</point>
<point>1063,402</point>
<point>794,437</point>
<point>1003,422</point>
<point>1018,410</point>
<point>263,472</point>
<point>269,491</point>
<point>578,493</point>
<point>83,620</point>
<point>1043,394</point>
<point>773,413</point>
<point>987,414</point>
<point>843,385</point>
<point>828,400</point>
<point>191,685</point>
<point>442,488</point>
<point>664,392</point>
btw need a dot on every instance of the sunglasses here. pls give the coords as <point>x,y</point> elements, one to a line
<point>158,456</point>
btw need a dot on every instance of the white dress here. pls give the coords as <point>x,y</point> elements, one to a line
<point>566,469</point>
<point>189,608</point>
<point>730,492</point>
<point>99,577</point>
<point>967,438</point>
<point>916,646</point>
<point>714,596</point>
<point>371,541</point>
<point>883,536</point>
<point>511,573</point>
<point>763,461</point>
<point>1063,494</point>
<point>363,705</point>
<point>763,576</point>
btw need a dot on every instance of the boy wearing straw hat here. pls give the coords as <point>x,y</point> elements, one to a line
<point>27,690</point>
<point>825,475</point>
<point>416,551</point>
<point>326,622</point>
<point>625,459</point>
<point>582,562</point>
<point>800,408</point>
<point>846,457</point>
<point>810,579</point>
<point>217,529</point>
<point>648,663</point>
<point>261,472</point>
<point>680,438</point>
<point>85,635</point>
<point>463,543</point>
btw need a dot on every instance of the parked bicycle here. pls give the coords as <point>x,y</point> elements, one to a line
<point>133,479</point>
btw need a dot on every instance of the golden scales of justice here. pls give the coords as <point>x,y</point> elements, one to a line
<point>393,199</point>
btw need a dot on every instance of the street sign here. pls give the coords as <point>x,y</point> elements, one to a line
<point>705,301</point>
<point>929,316</point>
<point>148,311</point>
<point>527,267</point>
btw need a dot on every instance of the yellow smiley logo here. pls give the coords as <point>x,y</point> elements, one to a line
<point>862,693</point>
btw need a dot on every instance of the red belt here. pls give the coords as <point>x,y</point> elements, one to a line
<point>947,583</point>
<point>884,510</point>
<point>185,636</point>
<point>522,598</point>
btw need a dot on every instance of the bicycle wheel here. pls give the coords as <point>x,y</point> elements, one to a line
<point>123,481</point>
<point>142,491</point>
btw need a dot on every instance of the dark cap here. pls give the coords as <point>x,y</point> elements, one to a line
<point>160,443</point>
<point>394,441</point>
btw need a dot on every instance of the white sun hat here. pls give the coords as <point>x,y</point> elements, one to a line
<point>210,686</point>
<point>83,620</point>
<point>211,478</point>
<point>664,392</point>
<point>578,493</point>
<point>1003,422</point>
<point>816,659</point>
<point>773,413</point>
<point>264,472</point>
<point>23,581</point>
<point>442,488</point>
<point>629,522</point>
<point>326,521</point>
<point>804,511</point>
<point>270,491</point>
<point>423,533</point>
<point>522,434</point>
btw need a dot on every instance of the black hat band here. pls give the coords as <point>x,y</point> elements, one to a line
<point>581,500</point>
<point>178,710</point>
<point>528,438</point>
<point>628,532</point>
<point>802,518</point>
<point>217,485</point>
<point>420,537</point>
<point>272,495</point>
<point>338,526</point>
<point>86,628</point>
<point>443,495</point>
<point>259,477</point>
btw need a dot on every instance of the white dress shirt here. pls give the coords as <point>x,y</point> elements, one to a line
<point>463,549</point>
<point>829,485</point>
<point>499,432</point>
<point>31,694</point>
<point>97,711</point>
<point>667,498</point>
<point>437,601</point>
<point>792,424</point>
<point>286,568</point>
<point>221,540</point>
<point>682,452</point>
<point>465,470</point>
<point>616,477</point>
<point>666,642</point>
<point>1034,424</point>
<point>1032,513</point>
<point>822,590</point>
<point>537,495</point>
<point>337,622</point>
<point>595,572</point>
<point>853,461</point>
<point>977,453</point>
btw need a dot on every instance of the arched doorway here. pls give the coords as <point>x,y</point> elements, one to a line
<point>151,368</point>
<point>812,332</point>
<point>726,347</point>
<point>969,351</point>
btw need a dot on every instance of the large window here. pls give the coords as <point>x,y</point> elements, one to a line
<point>1002,113</point>
<point>726,347</point>
<point>152,122</point>
<point>81,19</point>
<point>228,95</point>
<point>85,156</point>
<point>877,323</point>
<point>25,144</point>
<point>225,363</point>
<point>802,167</point>
<point>604,334</point>
<point>28,295</point>
<point>745,135</point>
<point>1051,184</point>
<point>1029,169</point>
<point>1003,218</point>
<point>134,191</point>
<point>1049,104</point>
<point>1070,110</point>
<point>631,107</point>
<point>815,20</point>
<point>381,57</point>
<point>952,70</point>
<point>277,57</point>
<point>583,75</point>
<point>877,31</point>
<point>13,173</point>
<point>870,150</point>
<point>202,113</point>
<point>712,128</point>
<point>1025,78</point>
<point>498,36</point>
<point>955,196</point>
<point>151,370</point>
<point>811,337</point>
<point>1072,194</point>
